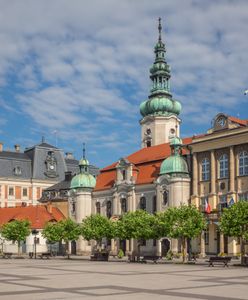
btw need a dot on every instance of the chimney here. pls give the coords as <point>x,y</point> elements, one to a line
<point>68,176</point>
<point>17,148</point>
<point>69,155</point>
<point>1,146</point>
<point>49,207</point>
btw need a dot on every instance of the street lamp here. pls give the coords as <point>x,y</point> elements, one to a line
<point>35,232</point>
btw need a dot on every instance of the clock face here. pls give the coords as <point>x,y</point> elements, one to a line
<point>221,121</point>
<point>51,167</point>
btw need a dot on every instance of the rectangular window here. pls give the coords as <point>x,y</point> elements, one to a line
<point>203,203</point>
<point>206,236</point>
<point>154,243</point>
<point>222,202</point>
<point>24,192</point>
<point>243,196</point>
<point>11,191</point>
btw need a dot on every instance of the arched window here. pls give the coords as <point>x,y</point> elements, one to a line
<point>123,205</point>
<point>143,203</point>
<point>109,209</point>
<point>98,208</point>
<point>243,163</point>
<point>154,207</point>
<point>223,166</point>
<point>165,197</point>
<point>205,169</point>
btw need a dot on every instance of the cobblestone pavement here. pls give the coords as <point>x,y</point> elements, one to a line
<point>82,279</point>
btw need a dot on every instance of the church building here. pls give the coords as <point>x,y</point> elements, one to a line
<point>208,170</point>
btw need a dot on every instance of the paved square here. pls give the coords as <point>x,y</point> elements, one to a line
<point>82,279</point>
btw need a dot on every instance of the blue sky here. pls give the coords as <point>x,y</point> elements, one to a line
<point>76,71</point>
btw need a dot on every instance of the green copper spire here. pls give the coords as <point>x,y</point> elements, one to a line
<point>84,179</point>
<point>160,100</point>
<point>175,165</point>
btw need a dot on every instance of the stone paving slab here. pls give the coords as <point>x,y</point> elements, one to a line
<point>82,279</point>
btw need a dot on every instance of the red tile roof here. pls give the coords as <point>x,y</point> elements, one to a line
<point>38,215</point>
<point>146,160</point>
<point>238,121</point>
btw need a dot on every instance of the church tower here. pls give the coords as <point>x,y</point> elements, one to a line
<point>81,187</point>
<point>160,111</point>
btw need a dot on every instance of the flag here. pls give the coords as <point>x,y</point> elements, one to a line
<point>207,207</point>
<point>231,202</point>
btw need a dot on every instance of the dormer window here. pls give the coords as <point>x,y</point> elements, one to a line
<point>123,172</point>
<point>17,171</point>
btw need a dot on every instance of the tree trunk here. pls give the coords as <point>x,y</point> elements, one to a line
<point>19,248</point>
<point>242,250</point>
<point>184,248</point>
<point>68,250</point>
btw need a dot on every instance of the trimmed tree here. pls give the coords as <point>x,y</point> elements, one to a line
<point>97,227</point>
<point>138,225</point>
<point>181,222</point>
<point>234,222</point>
<point>16,231</point>
<point>66,230</point>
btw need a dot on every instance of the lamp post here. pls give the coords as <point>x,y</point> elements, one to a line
<point>35,232</point>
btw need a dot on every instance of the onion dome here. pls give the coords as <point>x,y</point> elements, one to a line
<point>160,100</point>
<point>175,164</point>
<point>84,179</point>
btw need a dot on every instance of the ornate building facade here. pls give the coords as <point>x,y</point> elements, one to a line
<point>25,175</point>
<point>210,169</point>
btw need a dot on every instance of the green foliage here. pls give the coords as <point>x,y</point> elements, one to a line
<point>16,230</point>
<point>66,230</point>
<point>139,225</point>
<point>52,232</point>
<point>169,255</point>
<point>234,220</point>
<point>181,222</point>
<point>96,227</point>
<point>120,253</point>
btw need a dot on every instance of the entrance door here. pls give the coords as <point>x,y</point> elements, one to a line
<point>165,247</point>
<point>123,246</point>
<point>73,248</point>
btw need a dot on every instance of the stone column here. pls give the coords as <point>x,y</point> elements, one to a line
<point>232,169</point>
<point>221,243</point>
<point>158,248</point>
<point>213,173</point>
<point>195,175</point>
<point>115,204</point>
<point>203,251</point>
<point>127,246</point>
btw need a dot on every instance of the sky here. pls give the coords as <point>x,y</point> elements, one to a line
<point>75,71</point>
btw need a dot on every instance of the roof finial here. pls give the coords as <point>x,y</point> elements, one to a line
<point>83,150</point>
<point>159,29</point>
<point>43,139</point>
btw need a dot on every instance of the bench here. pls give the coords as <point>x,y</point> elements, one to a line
<point>153,258</point>
<point>99,256</point>
<point>7,254</point>
<point>219,259</point>
<point>45,254</point>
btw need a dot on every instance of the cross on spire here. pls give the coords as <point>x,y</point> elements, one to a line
<point>159,29</point>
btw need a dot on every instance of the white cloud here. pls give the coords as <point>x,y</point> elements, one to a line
<point>77,62</point>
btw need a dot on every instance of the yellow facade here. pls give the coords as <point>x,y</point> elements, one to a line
<point>219,177</point>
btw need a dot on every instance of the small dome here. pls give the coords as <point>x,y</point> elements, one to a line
<point>83,180</point>
<point>176,141</point>
<point>83,162</point>
<point>174,165</point>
